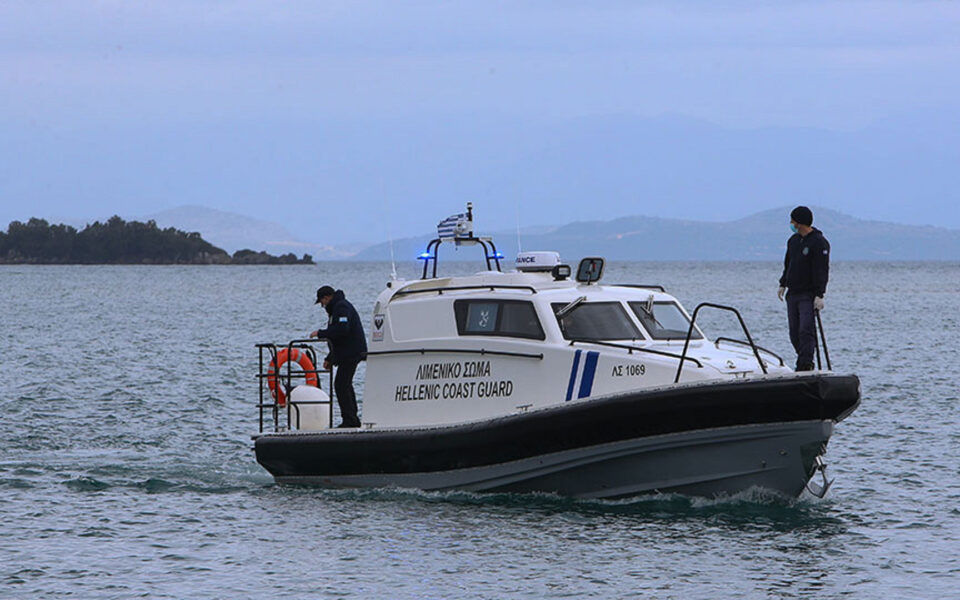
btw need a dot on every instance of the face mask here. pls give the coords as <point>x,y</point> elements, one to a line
<point>793,228</point>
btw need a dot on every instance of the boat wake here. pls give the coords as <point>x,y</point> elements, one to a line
<point>753,500</point>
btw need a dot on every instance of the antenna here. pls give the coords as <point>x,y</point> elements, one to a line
<point>519,247</point>
<point>393,261</point>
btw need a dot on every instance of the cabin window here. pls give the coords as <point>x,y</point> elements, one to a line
<point>507,318</point>
<point>664,320</point>
<point>482,317</point>
<point>597,321</point>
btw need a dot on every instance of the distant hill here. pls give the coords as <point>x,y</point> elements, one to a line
<point>761,236</point>
<point>233,232</point>
<point>384,175</point>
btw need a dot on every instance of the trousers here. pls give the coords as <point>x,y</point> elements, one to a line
<point>346,398</point>
<point>803,334</point>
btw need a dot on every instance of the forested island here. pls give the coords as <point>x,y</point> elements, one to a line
<point>119,242</point>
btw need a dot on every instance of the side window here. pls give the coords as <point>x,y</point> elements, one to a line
<point>506,318</point>
<point>520,319</point>
<point>482,317</point>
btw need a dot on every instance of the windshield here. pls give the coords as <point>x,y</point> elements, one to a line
<point>665,321</point>
<point>597,321</point>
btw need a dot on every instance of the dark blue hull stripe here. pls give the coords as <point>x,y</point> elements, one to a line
<point>573,374</point>
<point>589,370</point>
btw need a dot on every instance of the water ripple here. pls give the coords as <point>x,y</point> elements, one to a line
<point>126,468</point>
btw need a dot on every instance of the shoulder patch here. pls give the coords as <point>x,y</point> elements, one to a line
<point>825,251</point>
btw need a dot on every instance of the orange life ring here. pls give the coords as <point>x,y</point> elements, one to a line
<point>284,355</point>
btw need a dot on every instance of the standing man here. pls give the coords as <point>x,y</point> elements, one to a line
<point>348,346</point>
<point>806,268</point>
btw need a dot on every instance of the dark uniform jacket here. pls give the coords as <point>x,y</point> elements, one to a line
<point>806,266</point>
<point>344,332</point>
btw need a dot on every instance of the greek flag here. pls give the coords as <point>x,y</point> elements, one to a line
<point>455,226</point>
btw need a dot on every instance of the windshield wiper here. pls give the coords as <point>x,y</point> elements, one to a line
<point>564,311</point>
<point>648,308</point>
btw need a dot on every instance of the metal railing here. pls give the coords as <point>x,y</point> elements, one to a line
<point>717,341</point>
<point>432,253</point>
<point>455,351</point>
<point>286,380</point>
<point>454,288</point>
<point>659,288</point>
<point>693,320</point>
<point>822,339</point>
<point>632,349</point>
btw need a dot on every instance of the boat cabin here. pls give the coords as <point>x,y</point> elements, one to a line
<point>454,349</point>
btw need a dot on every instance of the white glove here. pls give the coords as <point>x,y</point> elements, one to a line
<point>818,303</point>
<point>781,292</point>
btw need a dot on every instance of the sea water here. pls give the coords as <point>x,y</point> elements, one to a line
<point>126,470</point>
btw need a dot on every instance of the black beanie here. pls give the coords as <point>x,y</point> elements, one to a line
<point>802,215</point>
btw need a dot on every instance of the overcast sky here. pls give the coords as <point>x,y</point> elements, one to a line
<point>101,102</point>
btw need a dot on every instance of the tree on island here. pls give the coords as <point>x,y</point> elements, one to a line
<point>252,257</point>
<point>119,242</point>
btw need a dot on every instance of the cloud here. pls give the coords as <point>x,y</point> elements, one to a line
<point>835,64</point>
<point>110,101</point>
<point>296,28</point>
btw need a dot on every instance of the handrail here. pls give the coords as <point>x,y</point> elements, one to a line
<point>286,379</point>
<point>641,286</point>
<point>427,256</point>
<point>481,351</point>
<point>638,349</point>
<point>693,320</point>
<point>823,339</point>
<point>490,286</point>
<point>717,341</point>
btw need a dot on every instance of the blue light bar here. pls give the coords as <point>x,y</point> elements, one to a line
<point>496,255</point>
<point>425,256</point>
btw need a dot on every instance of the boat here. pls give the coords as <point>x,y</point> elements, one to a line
<point>547,379</point>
